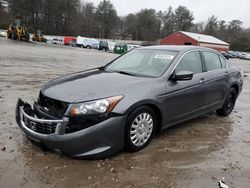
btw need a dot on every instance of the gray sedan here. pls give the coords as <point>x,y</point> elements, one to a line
<point>99,112</point>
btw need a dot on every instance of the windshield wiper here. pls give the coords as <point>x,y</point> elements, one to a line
<point>127,73</point>
<point>101,68</point>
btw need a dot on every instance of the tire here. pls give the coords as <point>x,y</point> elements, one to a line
<point>140,128</point>
<point>88,47</point>
<point>14,35</point>
<point>228,104</point>
<point>27,37</point>
<point>9,34</point>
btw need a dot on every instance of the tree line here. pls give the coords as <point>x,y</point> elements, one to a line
<point>76,17</point>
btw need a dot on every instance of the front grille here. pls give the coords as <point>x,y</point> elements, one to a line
<point>53,107</point>
<point>40,127</point>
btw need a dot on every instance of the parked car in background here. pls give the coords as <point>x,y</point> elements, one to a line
<point>73,43</point>
<point>103,45</point>
<point>57,41</point>
<point>98,112</point>
<point>232,53</point>
<point>106,46</point>
<point>225,54</point>
<point>3,33</point>
<point>68,39</point>
<point>245,56</point>
<point>238,54</point>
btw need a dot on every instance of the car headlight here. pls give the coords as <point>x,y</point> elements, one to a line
<point>95,107</point>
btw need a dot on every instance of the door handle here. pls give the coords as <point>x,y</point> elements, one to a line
<point>202,80</point>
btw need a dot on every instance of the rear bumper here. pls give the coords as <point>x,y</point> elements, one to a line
<point>98,141</point>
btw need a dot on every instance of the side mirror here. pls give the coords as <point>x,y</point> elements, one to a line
<point>182,76</point>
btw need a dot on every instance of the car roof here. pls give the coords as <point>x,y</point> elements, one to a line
<point>176,48</point>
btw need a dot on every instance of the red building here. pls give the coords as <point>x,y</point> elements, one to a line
<point>195,39</point>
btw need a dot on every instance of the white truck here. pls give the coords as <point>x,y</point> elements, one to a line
<point>85,42</point>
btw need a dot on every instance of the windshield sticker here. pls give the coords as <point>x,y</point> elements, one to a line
<point>161,56</point>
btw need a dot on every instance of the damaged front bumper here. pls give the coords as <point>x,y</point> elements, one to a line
<point>33,124</point>
<point>98,141</point>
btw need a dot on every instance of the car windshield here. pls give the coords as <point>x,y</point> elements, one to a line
<point>143,62</point>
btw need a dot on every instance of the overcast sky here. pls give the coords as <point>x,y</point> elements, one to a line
<point>223,9</point>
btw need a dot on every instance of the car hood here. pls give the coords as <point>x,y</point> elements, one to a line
<point>90,85</point>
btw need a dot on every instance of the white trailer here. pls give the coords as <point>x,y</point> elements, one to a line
<point>85,42</point>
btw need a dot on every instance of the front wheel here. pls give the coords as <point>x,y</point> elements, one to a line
<point>140,128</point>
<point>228,104</point>
<point>27,37</point>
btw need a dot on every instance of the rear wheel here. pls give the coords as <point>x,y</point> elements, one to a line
<point>140,128</point>
<point>229,103</point>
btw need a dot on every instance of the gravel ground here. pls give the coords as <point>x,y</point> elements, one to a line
<point>193,154</point>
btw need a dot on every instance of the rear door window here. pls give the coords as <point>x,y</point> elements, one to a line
<point>190,62</point>
<point>212,61</point>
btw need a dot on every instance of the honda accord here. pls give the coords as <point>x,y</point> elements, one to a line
<point>99,112</point>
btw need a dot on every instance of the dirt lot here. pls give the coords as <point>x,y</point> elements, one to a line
<point>194,154</point>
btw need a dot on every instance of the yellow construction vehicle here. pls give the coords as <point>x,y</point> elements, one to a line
<point>18,31</point>
<point>38,36</point>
